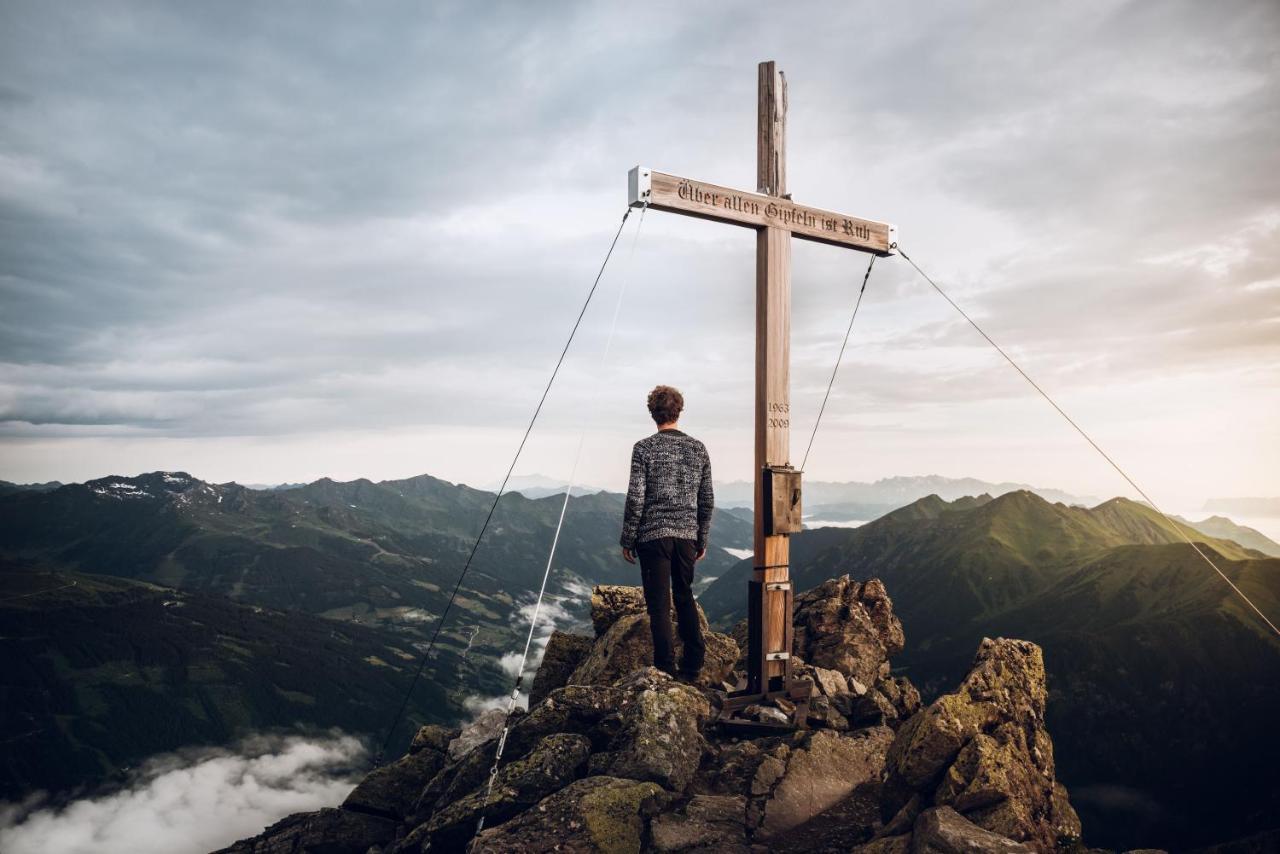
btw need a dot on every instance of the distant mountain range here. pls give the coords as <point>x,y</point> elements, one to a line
<point>1163,683</point>
<point>829,500</point>
<point>541,486</point>
<point>1244,506</point>
<point>6,487</point>
<point>1224,528</point>
<point>858,501</point>
<point>326,546</point>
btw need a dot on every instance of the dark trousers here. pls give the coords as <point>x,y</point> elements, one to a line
<point>666,571</point>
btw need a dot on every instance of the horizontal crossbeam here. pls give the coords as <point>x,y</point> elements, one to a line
<point>737,207</point>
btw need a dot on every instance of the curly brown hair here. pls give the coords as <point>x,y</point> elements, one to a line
<point>665,404</point>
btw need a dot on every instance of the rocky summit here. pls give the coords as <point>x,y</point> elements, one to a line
<point>616,756</point>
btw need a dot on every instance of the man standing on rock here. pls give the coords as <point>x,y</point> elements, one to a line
<point>666,524</point>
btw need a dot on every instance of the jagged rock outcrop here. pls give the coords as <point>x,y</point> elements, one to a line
<point>605,814</point>
<point>848,626</point>
<point>392,791</point>
<point>329,831</point>
<point>432,737</point>
<point>942,830</point>
<point>624,641</point>
<point>484,728</point>
<point>984,751</point>
<point>845,634</point>
<point>564,653</point>
<point>556,762</point>
<point>617,756</point>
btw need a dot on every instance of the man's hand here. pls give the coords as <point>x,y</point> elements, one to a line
<point>701,554</point>
<point>628,555</point>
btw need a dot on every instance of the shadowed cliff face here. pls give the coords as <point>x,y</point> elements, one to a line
<point>614,755</point>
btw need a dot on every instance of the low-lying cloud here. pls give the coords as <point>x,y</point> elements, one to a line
<point>194,801</point>
<point>557,611</point>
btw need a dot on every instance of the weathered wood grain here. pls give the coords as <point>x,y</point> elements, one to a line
<point>771,140</point>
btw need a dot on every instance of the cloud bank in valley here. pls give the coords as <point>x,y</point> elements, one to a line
<point>192,802</point>
<point>557,612</point>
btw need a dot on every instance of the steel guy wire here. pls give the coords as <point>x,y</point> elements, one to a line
<point>1090,440</point>
<point>422,662</point>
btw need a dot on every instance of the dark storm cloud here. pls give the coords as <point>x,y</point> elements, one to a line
<point>236,219</point>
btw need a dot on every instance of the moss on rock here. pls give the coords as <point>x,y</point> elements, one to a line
<point>595,814</point>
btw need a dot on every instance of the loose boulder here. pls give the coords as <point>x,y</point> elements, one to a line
<point>554,763</point>
<point>392,791</point>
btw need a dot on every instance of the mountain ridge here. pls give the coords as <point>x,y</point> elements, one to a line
<point>896,491</point>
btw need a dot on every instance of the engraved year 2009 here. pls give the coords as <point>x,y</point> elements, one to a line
<point>779,414</point>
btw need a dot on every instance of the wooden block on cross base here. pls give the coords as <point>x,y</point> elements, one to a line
<point>797,691</point>
<point>762,597</point>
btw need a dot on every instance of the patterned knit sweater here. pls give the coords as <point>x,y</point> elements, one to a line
<point>670,492</point>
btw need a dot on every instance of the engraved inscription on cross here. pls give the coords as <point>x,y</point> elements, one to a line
<point>776,219</point>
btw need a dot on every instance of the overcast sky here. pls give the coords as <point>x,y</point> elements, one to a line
<point>272,242</point>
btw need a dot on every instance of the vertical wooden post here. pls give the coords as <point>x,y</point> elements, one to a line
<point>771,142</point>
<point>773,390</point>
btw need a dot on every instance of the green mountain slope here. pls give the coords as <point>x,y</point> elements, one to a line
<point>148,524</point>
<point>1164,685</point>
<point>948,562</point>
<point>1162,682</point>
<point>99,673</point>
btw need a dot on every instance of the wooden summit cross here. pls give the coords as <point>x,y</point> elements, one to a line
<point>776,220</point>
